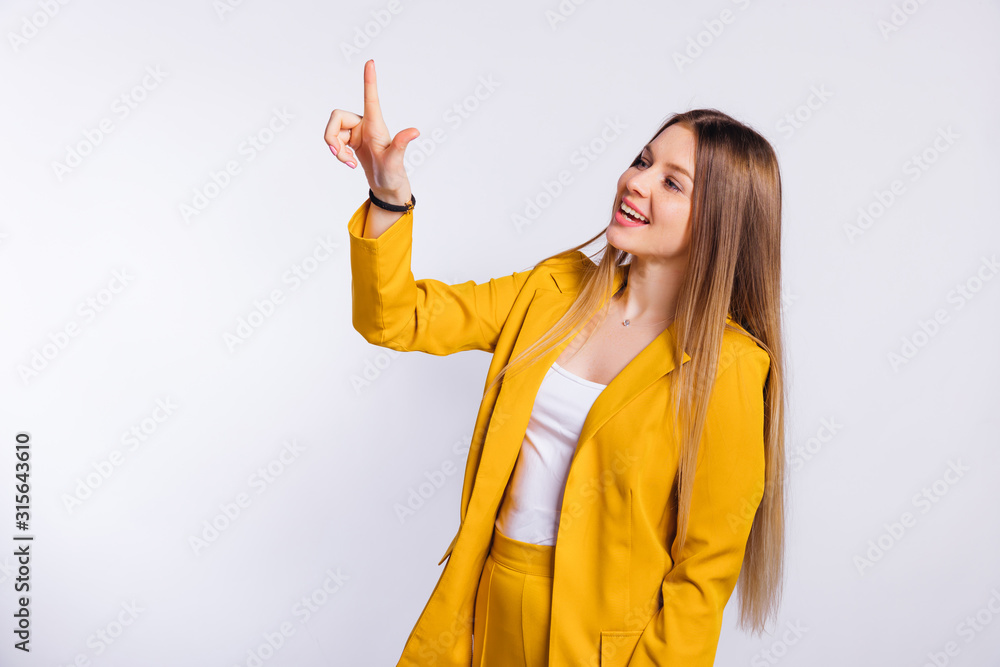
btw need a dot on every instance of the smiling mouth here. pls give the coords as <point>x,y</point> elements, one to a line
<point>631,214</point>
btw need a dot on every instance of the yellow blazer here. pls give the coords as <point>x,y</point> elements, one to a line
<point>622,593</point>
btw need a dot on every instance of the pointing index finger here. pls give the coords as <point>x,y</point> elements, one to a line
<point>372,109</point>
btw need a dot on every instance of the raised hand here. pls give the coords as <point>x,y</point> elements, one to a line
<point>366,139</point>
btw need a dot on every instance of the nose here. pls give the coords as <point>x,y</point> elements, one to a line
<point>637,185</point>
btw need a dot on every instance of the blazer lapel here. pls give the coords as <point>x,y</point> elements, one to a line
<point>651,364</point>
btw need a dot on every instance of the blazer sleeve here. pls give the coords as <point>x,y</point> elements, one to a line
<point>391,309</point>
<point>728,486</point>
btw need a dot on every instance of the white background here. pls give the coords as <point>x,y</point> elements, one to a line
<point>363,447</point>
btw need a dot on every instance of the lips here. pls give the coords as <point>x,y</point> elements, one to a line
<point>632,213</point>
<point>635,208</point>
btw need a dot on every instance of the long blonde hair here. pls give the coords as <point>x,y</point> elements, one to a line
<point>734,268</point>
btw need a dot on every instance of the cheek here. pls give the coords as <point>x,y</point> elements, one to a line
<point>676,213</point>
<point>676,231</point>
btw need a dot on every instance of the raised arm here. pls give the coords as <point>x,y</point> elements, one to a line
<point>391,309</point>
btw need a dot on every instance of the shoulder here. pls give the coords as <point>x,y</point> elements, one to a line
<point>741,349</point>
<point>574,261</point>
<point>565,271</point>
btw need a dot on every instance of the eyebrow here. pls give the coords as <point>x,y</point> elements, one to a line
<point>671,165</point>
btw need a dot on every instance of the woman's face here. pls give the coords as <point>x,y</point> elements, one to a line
<point>658,185</point>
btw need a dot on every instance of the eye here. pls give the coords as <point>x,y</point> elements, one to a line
<point>670,183</point>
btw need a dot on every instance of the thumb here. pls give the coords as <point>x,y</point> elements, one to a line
<point>403,138</point>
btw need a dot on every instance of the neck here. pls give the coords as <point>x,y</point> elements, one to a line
<point>650,297</point>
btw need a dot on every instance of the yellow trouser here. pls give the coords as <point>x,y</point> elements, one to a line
<point>513,605</point>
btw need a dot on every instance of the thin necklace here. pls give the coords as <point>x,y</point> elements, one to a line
<point>626,323</point>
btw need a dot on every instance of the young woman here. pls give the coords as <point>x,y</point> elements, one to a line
<point>626,465</point>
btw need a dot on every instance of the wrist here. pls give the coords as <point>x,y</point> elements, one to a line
<point>396,197</point>
<point>404,207</point>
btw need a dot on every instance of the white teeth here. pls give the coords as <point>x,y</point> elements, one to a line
<point>625,207</point>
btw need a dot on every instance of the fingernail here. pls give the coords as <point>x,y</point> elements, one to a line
<point>351,165</point>
<point>333,150</point>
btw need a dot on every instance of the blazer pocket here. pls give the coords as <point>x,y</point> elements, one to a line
<point>617,647</point>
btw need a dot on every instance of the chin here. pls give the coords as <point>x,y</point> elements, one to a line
<point>617,239</point>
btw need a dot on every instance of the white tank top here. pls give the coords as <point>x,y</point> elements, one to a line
<point>530,509</point>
